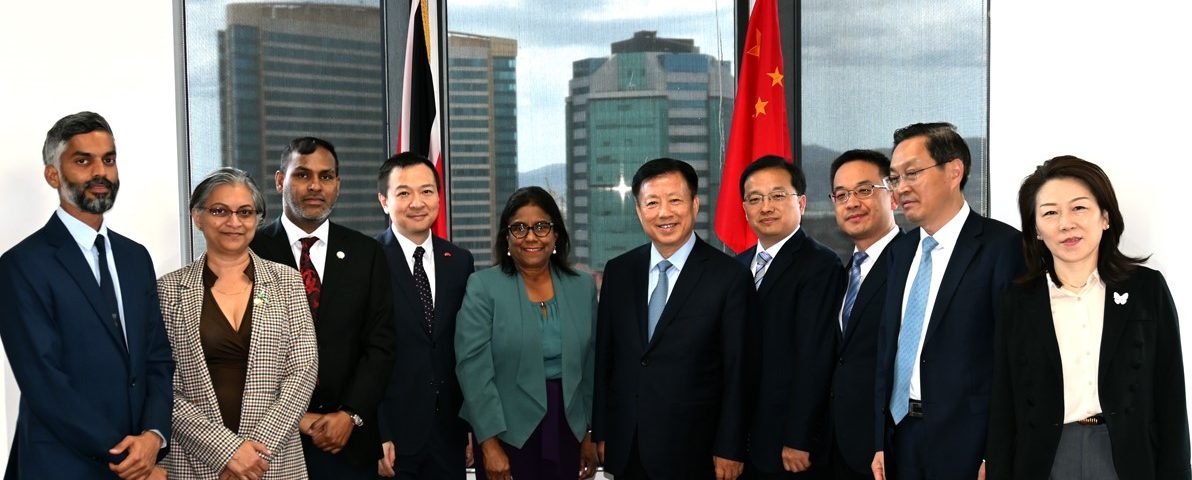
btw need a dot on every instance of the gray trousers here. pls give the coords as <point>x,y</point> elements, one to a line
<point>1084,453</point>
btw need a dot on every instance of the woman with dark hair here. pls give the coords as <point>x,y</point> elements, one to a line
<point>243,342</point>
<point>1088,374</point>
<point>524,344</point>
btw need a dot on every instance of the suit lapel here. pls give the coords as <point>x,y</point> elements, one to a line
<point>640,266</point>
<point>1038,301</point>
<point>190,308</point>
<point>968,243</point>
<point>872,288</point>
<point>276,237</point>
<point>71,258</point>
<point>444,263</point>
<point>130,285</point>
<point>688,278</point>
<point>334,266</point>
<point>1116,316</point>
<point>785,257</point>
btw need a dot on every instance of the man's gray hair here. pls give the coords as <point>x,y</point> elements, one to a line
<point>67,127</point>
<point>227,176</point>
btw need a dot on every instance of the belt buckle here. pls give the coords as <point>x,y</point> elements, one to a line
<point>1094,420</point>
<point>916,409</point>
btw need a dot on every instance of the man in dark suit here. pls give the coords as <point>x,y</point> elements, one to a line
<point>935,343</point>
<point>347,286</point>
<point>865,213</point>
<point>670,395</point>
<point>420,426</point>
<point>797,281</point>
<point>82,326</point>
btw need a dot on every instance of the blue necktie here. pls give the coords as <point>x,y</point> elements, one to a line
<point>658,298</point>
<point>107,287</point>
<point>763,258</point>
<point>908,337</point>
<point>854,286</point>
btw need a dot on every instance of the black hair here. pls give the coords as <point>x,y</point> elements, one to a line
<point>542,199</point>
<point>404,160</point>
<point>868,156</point>
<point>306,146</point>
<point>798,180</point>
<point>662,166</point>
<point>943,143</point>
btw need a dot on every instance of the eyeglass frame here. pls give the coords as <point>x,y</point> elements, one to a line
<point>850,193</point>
<point>526,229</point>
<point>244,213</point>
<point>762,197</point>
<point>911,176</point>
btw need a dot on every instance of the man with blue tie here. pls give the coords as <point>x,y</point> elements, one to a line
<point>935,343</point>
<point>793,333</point>
<point>865,213</point>
<point>83,328</point>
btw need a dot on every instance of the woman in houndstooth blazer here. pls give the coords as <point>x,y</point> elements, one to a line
<point>266,307</point>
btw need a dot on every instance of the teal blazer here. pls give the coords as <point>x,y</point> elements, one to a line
<point>498,349</point>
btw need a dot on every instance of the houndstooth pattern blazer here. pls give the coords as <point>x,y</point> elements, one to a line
<point>282,366</point>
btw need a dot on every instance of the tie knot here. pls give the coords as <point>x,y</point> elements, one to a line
<point>929,244</point>
<point>859,258</point>
<point>307,242</point>
<point>99,242</point>
<point>763,258</point>
<point>418,252</point>
<point>663,266</point>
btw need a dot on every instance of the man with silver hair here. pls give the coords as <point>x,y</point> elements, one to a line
<point>347,285</point>
<point>82,327</point>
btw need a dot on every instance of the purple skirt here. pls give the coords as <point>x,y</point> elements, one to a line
<point>551,452</point>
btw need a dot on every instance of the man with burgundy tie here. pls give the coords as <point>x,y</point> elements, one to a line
<point>422,432</point>
<point>792,335</point>
<point>935,342</point>
<point>82,327</point>
<point>347,284</point>
<point>865,213</point>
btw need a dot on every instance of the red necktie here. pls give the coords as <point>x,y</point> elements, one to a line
<point>310,277</point>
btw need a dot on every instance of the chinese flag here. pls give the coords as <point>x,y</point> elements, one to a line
<point>759,121</point>
<point>419,125</point>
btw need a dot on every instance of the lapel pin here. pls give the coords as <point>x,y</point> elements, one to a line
<point>340,255</point>
<point>446,254</point>
<point>1120,298</point>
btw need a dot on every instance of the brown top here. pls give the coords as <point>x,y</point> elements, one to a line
<point>225,349</point>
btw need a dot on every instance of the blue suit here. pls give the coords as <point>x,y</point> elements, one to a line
<point>82,392</point>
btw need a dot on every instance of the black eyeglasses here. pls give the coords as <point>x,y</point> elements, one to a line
<point>224,212</point>
<point>520,230</point>
<point>840,196</point>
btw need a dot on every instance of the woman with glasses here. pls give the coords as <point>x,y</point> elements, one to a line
<point>243,343</point>
<point>1088,375</point>
<point>524,344</point>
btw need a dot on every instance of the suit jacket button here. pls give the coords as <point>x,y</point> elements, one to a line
<point>645,362</point>
<point>840,362</point>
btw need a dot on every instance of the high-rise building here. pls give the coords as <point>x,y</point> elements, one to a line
<point>289,70</point>
<point>482,153</point>
<point>652,97</point>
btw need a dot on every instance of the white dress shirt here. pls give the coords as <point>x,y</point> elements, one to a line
<point>85,237</point>
<point>1079,318</point>
<point>428,257</point>
<point>772,251</point>
<point>677,259</point>
<point>947,237</point>
<point>874,251</point>
<point>318,251</point>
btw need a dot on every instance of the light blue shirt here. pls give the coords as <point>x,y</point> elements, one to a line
<point>85,237</point>
<point>677,259</point>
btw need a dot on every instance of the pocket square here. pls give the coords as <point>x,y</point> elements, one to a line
<point>1120,298</point>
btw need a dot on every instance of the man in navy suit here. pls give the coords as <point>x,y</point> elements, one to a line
<point>865,213</point>
<point>83,328</point>
<point>935,342</point>
<point>670,396</point>
<point>420,426</point>
<point>347,286</point>
<point>798,281</point>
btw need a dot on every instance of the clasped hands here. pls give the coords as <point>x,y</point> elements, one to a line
<point>329,432</point>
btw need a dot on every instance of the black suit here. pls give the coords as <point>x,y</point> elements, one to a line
<point>794,335</point>
<point>420,412</point>
<point>353,329</point>
<point>680,397</point>
<point>956,365</point>
<point>851,420</point>
<point>1140,383</point>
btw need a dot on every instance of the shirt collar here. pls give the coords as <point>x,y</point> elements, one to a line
<point>1093,282</point>
<point>777,246</point>
<point>82,233</point>
<point>408,246</point>
<point>295,233</point>
<point>950,232</point>
<point>678,258</point>
<point>879,246</point>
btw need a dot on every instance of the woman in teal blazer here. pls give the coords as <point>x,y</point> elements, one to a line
<point>525,353</point>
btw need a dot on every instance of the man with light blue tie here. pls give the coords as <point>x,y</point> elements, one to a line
<point>82,326</point>
<point>935,342</point>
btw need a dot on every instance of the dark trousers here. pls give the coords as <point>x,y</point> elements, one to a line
<point>440,458</point>
<point>1084,452</point>
<point>321,465</point>
<point>551,452</point>
<point>908,455</point>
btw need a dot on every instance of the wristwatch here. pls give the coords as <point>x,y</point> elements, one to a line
<point>356,420</point>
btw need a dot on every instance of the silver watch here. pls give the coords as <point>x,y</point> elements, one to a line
<point>356,420</point>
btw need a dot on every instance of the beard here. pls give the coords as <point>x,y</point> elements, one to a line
<point>76,194</point>
<point>295,205</point>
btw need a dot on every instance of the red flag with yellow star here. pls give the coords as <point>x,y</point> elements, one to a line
<point>759,121</point>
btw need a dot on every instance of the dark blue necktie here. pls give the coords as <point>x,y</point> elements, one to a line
<point>107,287</point>
<point>854,286</point>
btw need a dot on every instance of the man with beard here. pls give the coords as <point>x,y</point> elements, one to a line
<point>82,327</point>
<point>347,285</point>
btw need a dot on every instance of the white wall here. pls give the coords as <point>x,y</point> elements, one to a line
<point>113,58</point>
<point>1104,81</point>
